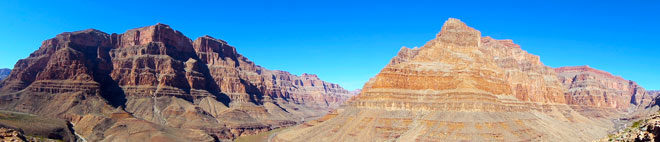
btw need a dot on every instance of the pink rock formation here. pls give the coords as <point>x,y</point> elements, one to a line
<point>587,86</point>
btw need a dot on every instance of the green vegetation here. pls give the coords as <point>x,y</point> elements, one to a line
<point>261,137</point>
<point>636,124</point>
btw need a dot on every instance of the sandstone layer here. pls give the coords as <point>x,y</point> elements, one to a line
<point>153,83</point>
<point>457,87</point>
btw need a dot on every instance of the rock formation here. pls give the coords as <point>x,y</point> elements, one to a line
<point>355,92</point>
<point>11,135</point>
<point>154,83</point>
<point>645,130</point>
<point>4,73</point>
<point>600,94</point>
<point>37,128</point>
<point>653,92</point>
<point>457,87</point>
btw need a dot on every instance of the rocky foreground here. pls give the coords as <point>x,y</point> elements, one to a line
<point>155,84</point>
<point>647,129</point>
<point>461,86</point>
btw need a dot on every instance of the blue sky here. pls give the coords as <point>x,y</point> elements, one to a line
<point>348,42</point>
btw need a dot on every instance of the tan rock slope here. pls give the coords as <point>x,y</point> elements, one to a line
<point>458,87</point>
<point>154,83</point>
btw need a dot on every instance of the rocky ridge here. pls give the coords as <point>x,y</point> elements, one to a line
<point>600,94</point>
<point>457,87</point>
<point>4,73</point>
<point>591,87</point>
<point>154,83</point>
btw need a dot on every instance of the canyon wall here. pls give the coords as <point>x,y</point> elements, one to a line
<point>457,87</point>
<point>154,83</point>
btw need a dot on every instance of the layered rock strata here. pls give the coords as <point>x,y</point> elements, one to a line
<point>154,83</point>
<point>457,87</point>
<point>600,94</point>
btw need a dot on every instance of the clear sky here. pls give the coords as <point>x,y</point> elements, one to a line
<point>348,42</point>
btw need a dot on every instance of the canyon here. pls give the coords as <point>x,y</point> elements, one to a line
<point>155,84</point>
<point>461,86</point>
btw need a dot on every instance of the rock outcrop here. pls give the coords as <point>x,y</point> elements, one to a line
<point>11,135</point>
<point>4,73</point>
<point>645,130</point>
<point>457,87</point>
<point>154,83</point>
<point>37,128</point>
<point>653,92</point>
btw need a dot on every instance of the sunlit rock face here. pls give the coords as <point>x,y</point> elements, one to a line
<point>597,93</point>
<point>158,84</point>
<point>458,86</point>
<point>595,88</point>
<point>591,87</point>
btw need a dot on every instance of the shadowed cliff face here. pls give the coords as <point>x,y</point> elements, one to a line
<point>157,82</point>
<point>4,73</point>
<point>457,87</point>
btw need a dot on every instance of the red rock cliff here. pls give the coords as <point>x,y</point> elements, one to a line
<point>162,85</point>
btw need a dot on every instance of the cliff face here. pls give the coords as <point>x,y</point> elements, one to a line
<point>4,73</point>
<point>528,78</point>
<point>459,86</point>
<point>157,82</point>
<point>590,90</point>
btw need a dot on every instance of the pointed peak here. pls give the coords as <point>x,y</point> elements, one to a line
<point>454,21</point>
<point>456,32</point>
<point>455,24</point>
